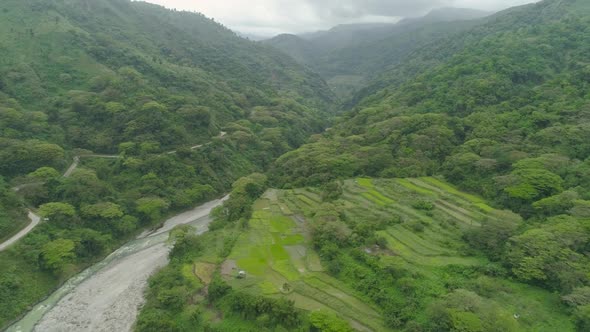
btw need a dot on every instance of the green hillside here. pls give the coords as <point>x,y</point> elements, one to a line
<point>180,105</point>
<point>382,255</point>
<point>111,71</point>
<point>499,110</point>
<point>452,192</point>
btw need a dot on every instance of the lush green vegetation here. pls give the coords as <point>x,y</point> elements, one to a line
<point>500,111</point>
<point>153,90</point>
<point>468,208</point>
<point>379,254</point>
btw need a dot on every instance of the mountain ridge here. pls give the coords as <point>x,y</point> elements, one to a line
<point>348,56</point>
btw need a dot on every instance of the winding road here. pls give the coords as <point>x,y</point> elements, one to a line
<point>35,219</point>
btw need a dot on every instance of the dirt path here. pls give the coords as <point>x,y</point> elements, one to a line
<point>72,167</point>
<point>35,219</point>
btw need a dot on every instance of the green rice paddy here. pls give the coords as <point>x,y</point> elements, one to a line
<point>276,254</point>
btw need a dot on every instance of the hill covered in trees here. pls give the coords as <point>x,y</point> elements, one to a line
<point>452,195</point>
<point>112,71</point>
<point>499,110</point>
<point>150,88</point>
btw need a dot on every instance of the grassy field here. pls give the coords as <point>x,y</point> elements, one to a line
<point>276,254</point>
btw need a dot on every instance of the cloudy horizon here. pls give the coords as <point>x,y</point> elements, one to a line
<point>267,18</point>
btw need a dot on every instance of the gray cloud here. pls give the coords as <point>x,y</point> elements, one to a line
<point>270,17</point>
<point>358,8</point>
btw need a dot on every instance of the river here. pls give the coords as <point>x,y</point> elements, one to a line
<point>107,296</point>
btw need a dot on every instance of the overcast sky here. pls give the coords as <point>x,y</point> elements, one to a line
<point>271,17</point>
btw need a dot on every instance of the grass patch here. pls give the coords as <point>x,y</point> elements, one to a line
<point>281,224</point>
<point>411,255</point>
<point>308,202</point>
<point>204,271</point>
<point>287,270</point>
<point>268,288</point>
<point>427,247</point>
<point>409,185</point>
<point>452,190</point>
<point>484,207</point>
<point>377,198</point>
<point>313,262</point>
<point>364,182</point>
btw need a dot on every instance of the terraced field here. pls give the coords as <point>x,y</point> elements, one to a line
<point>278,261</point>
<point>426,218</point>
<point>428,237</point>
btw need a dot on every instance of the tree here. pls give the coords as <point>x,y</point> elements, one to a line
<point>217,289</point>
<point>578,297</point>
<point>82,187</point>
<point>152,207</point>
<point>103,211</point>
<point>196,117</point>
<point>326,322</point>
<point>90,243</point>
<point>534,184</point>
<point>557,204</point>
<point>582,318</point>
<point>493,234</point>
<point>552,255</point>
<point>187,244</point>
<point>56,255</point>
<point>58,213</point>
<point>44,174</point>
<point>331,191</point>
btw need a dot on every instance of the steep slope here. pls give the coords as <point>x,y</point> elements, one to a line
<point>522,65</point>
<point>349,56</point>
<point>500,110</point>
<point>12,214</point>
<point>92,66</point>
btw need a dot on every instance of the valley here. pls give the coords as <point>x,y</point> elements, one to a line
<point>428,175</point>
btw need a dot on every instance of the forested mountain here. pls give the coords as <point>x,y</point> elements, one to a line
<point>94,68</point>
<point>500,110</point>
<point>349,56</point>
<point>365,232</point>
<point>451,194</point>
<point>180,105</point>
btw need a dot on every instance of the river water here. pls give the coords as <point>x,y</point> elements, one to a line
<point>107,296</point>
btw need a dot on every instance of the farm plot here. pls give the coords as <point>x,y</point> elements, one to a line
<point>278,261</point>
<point>431,213</point>
<point>420,222</point>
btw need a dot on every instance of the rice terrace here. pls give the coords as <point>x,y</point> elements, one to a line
<point>424,220</point>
